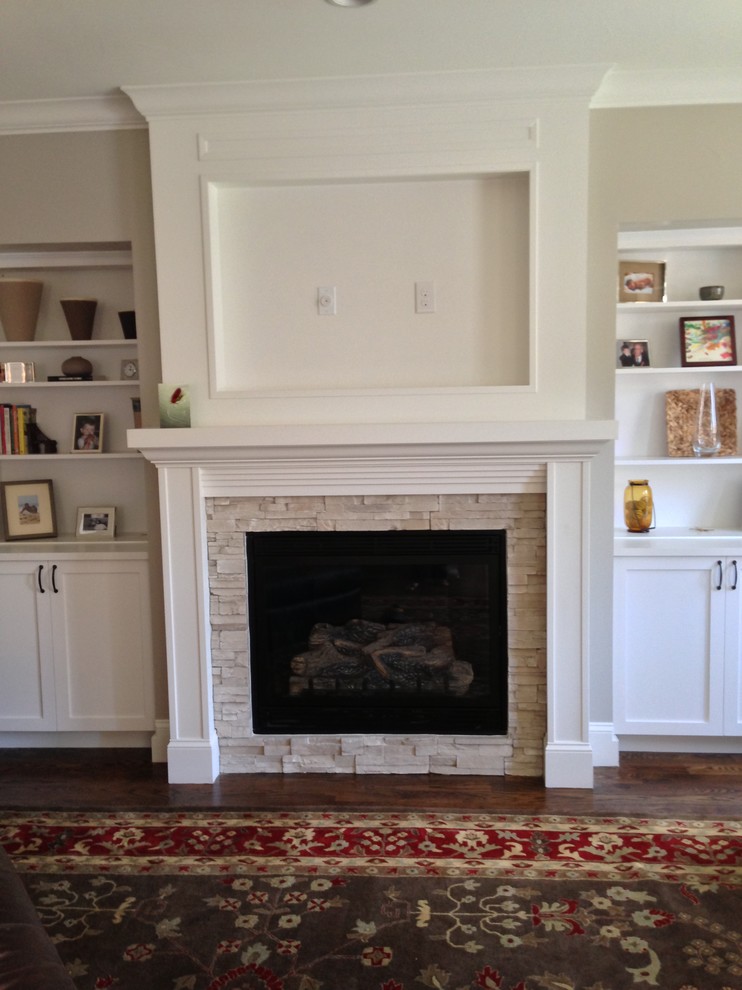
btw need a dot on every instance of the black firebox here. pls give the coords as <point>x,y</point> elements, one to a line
<point>378,632</point>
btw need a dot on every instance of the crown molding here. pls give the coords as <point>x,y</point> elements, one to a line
<point>605,87</point>
<point>551,83</point>
<point>668,87</point>
<point>89,113</point>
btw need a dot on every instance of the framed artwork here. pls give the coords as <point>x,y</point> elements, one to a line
<point>641,281</point>
<point>87,433</point>
<point>28,510</point>
<point>96,522</point>
<point>707,341</point>
<point>632,354</point>
<point>175,405</point>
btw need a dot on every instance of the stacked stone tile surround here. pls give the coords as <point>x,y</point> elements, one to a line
<point>520,752</point>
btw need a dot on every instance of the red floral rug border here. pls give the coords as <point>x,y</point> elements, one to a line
<point>374,844</point>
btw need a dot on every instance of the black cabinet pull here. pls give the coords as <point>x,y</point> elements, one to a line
<point>721,575</point>
<point>734,579</point>
<point>38,578</point>
<point>55,589</point>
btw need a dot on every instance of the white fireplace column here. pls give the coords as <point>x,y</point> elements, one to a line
<point>489,458</point>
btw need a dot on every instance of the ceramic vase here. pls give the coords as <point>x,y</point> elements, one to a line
<point>638,506</point>
<point>20,299</point>
<point>76,365</point>
<point>128,320</point>
<point>80,316</point>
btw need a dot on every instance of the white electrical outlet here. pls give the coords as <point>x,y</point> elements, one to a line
<point>424,297</point>
<point>326,300</point>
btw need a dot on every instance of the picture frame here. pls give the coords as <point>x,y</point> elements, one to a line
<point>96,522</point>
<point>18,372</point>
<point>87,433</point>
<point>641,281</point>
<point>27,509</point>
<point>632,354</point>
<point>707,341</point>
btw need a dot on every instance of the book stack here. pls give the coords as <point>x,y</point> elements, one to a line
<point>17,429</point>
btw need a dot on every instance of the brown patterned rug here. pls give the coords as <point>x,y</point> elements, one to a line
<point>240,901</point>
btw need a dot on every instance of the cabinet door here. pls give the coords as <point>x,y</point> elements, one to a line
<point>733,651</point>
<point>669,640</point>
<point>26,673</point>
<point>102,645</point>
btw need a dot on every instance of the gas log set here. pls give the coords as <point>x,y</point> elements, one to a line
<point>363,656</point>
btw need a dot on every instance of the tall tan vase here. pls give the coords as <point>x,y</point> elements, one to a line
<point>20,299</point>
<point>80,316</point>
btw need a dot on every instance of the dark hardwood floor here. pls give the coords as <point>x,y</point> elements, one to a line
<point>646,785</point>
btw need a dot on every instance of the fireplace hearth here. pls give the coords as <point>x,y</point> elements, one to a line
<point>372,632</point>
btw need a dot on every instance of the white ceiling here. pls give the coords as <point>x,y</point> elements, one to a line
<point>62,49</point>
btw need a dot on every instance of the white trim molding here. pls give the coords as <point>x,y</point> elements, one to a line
<point>87,113</point>
<point>688,86</point>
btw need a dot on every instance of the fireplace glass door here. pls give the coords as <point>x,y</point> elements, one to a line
<point>393,632</point>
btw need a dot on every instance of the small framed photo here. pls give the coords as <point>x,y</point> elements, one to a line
<point>87,433</point>
<point>27,509</point>
<point>96,522</point>
<point>641,281</point>
<point>707,341</point>
<point>18,372</point>
<point>632,354</point>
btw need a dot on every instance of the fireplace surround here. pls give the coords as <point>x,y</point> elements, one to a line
<point>216,483</point>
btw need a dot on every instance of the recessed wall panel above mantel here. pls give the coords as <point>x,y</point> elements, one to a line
<point>371,242</point>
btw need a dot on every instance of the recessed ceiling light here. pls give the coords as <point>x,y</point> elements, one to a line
<point>350,3</point>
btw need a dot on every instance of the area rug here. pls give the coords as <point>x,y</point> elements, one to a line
<point>241,901</point>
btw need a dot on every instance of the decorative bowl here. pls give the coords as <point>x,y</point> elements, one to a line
<point>711,292</point>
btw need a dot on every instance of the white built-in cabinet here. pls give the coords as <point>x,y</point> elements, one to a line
<point>677,625</point>
<point>76,647</point>
<point>678,588</point>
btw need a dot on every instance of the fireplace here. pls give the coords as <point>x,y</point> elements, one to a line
<point>532,479</point>
<point>396,632</point>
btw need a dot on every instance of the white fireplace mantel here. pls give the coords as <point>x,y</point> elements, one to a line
<point>552,457</point>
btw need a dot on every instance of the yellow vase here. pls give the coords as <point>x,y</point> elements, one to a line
<point>638,506</point>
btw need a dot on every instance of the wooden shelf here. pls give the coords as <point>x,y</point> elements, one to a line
<point>96,383</point>
<point>52,458</point>
<point>679,461</point>
<point>77,344</point>
<point>673,305</point>
<point>664,370</point>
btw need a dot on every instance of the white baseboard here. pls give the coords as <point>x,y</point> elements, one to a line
<point>680,744</point>
<point>75,740</point>
<point>160,740</point>
<point>605,744</point>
